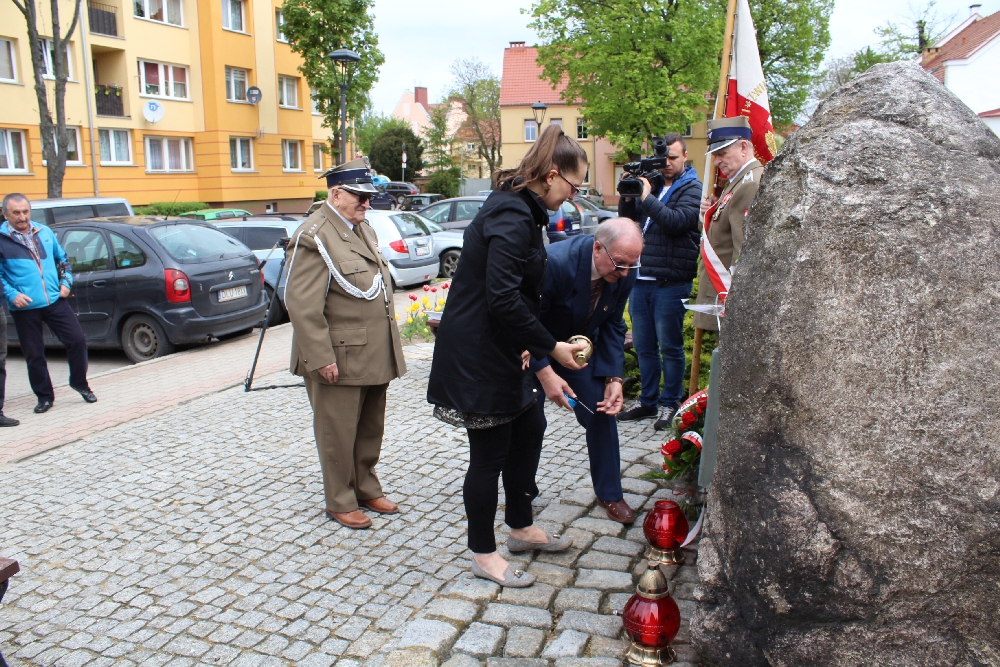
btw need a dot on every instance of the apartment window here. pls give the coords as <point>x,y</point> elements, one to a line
<point>313,101</point>
<point>8,70</point>
<point>581,129</point>
<point>12,151</point>
<point>291,155</point>
<point>232,15</point>
<point>317,157</point>
<point>241,154</point>
<point>165,154</point>
<point>530,130</point>
<point>49,60</point>
<point>288,92</point>
<point>279,26</point>
<point>162,80</point>
<point>164,11</point>
<point>470,147</point>
<point>73,158</point>
<point>556,121</point>
<point>236,84</point>
<point>116,146</point>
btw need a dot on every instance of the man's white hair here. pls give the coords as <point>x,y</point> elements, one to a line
<point>611,230</point>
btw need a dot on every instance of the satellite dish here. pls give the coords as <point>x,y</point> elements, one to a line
<point>254,95</point>
<point>152,111</point>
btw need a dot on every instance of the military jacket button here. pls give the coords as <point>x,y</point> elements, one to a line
<point>341,341</point>
<point>605,309</point>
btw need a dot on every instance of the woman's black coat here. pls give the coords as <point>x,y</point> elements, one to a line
<point>491,315</point>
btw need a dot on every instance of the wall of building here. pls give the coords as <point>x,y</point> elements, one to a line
<point>205,117</point>
<point>975,80</point>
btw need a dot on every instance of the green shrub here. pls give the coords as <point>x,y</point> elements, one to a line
<point>444,182</point>
<point>321,195</point>
<point>170,208</point>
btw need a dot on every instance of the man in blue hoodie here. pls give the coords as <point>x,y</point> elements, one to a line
<point>37,278</point>
<point>669,222</point>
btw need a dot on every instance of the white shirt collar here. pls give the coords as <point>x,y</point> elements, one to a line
<point>347,222</point>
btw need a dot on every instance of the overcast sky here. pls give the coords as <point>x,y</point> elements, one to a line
<point>422,38</point>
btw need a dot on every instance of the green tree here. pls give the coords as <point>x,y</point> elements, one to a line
<point>387,153</point>
<point>479,89</point>
<point>640,68</point>
<point>314,28</point>
<point>921,28</point>
<point>54,135</point>
<point>370,124</point>
<point>444,182</point>
<point>439,139</point>
<point>792,36</point>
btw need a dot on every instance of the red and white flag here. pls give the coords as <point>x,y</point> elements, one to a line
<point>747,93</point>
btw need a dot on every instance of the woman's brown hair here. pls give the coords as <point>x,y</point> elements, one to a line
<point>553,149</point>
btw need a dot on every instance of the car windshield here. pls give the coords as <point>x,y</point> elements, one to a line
<point>409,225</point>
<point>428,226</point>
<point>193,244</point>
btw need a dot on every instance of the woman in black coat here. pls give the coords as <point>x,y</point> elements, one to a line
<point>478,377</point>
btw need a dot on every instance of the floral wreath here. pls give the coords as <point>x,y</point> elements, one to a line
<point>682,453</point>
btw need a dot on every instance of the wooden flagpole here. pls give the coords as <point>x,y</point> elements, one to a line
<point>709,182</point>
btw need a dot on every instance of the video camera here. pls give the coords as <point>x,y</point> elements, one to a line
<point>648,168</point>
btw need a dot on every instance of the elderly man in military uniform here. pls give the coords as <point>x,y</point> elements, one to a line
<point>345,341</point>
<point>722,236</point>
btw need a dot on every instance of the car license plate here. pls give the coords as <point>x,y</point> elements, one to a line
<point>232,293</point>
<point>576,225</point>
<point>423,250</point>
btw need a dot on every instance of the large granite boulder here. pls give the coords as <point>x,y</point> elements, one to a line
<point>854,517</point>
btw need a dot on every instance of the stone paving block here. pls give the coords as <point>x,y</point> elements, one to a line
<point>598,526</point>
<point>684,591</point>
<point>614,545</point>
<point>581,599</point>
<point>639,487</point>
<point>578,496</point>
<point>509,615</point>
<point>462,660</point>
<point>536,595</point>
<point>588,662</point>
<point>560,513</point>
<point>603,561</point>
<point>569,643</point>
<point>393,618</point>
<point>637,470</point>
<point>614,602</point>
<point>474,588</point>
<point>462,611</point>
<point>631,453</point>
<point>480,640</point>
<point>687,574</point>
<point>562,558</point>
<point>605,580</point>
<point>592,624</point>
<point>605,647</point>
<point>523,642</point>
<point>516,662</point>
<point>438,636</point>
<point>188,646</point>
<point>411,658</point>
<point>551,574</point>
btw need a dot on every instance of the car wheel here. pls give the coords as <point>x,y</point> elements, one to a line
<point>449,262</point>
<point>277,314</point>
<point>143,339</point>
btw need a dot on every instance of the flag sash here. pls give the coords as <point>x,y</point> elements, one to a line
<point>717,272</point>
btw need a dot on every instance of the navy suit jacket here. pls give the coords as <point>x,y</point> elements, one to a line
<point>566,299</point>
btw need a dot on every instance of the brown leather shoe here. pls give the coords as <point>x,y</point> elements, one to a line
<point>618,510</point>
<point>356,519</point>
<point>382,505</point>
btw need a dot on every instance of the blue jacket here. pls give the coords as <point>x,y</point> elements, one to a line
<point>672,238</point>
<point>21,274</point>
<point>566,299</point>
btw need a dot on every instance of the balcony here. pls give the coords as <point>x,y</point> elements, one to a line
<point>110,101</point>
<point>103,19</point>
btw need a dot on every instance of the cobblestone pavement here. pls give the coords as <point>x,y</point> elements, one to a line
<point>196,535</point>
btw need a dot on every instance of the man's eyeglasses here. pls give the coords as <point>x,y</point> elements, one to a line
<point>575,190</point>
<point>619,268</point>
<point>362,196</point>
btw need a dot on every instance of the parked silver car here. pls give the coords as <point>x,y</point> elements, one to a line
<point>407,246</point>
<point>447,244</point>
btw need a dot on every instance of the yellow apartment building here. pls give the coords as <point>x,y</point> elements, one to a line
<point>159,108</point>
<point>522,85</point>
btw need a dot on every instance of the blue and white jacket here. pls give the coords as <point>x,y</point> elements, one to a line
<point>21,273</point>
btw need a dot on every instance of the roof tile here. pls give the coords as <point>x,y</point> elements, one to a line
<point>964,44</point>
<point>522,82</point>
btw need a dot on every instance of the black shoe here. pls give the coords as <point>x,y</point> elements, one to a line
<point>88,395</point>
<point>43,406</point>
<point>7,421</point>
<point>637,411</point>
<point>666,417</point>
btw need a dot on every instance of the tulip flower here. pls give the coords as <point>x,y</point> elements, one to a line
<point>409,320</point>
<point>413,297</point>
<point>427,288</point>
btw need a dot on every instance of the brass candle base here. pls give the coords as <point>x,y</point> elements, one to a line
<point>649,657</point>
<point>664,556</point>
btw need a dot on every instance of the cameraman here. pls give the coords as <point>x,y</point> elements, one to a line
<point>669,222</point>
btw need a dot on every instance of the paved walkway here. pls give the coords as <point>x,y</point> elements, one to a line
<point>195,535</point>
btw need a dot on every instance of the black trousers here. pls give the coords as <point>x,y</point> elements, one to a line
<point>510,450</point>
<point>65,325</point>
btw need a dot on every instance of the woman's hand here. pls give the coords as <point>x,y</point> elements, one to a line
<point>525,360</point>
<point>563,353</point>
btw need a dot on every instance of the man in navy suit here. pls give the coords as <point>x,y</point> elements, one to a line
<point>587,283</point>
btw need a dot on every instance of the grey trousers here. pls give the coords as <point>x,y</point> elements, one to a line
<point>3,355</point>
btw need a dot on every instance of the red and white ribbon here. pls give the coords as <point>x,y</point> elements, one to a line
<point>693,437</point>
<point>717,272</point>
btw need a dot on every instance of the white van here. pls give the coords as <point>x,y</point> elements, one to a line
<point>49,211</point>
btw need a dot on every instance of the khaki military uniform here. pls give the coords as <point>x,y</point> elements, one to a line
<point>725,233</point>
<point>332,325</point>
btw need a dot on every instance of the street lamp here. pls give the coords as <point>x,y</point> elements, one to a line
<point>342,61</point>
<point>538,111</point>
